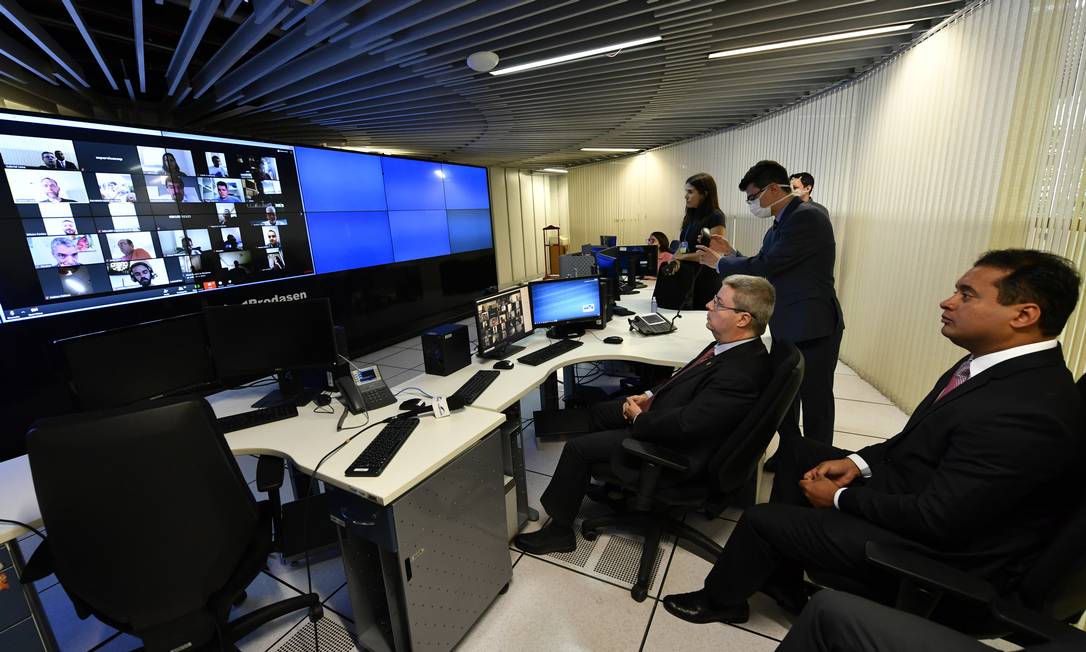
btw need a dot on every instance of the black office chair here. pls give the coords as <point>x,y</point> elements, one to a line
<point>1054,586</point>
<point>152,528</point>
<point>659,503</point>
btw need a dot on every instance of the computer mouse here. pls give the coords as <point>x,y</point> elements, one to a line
<point>612,339</point>
<point>413,404</point>
<point>503,364</point>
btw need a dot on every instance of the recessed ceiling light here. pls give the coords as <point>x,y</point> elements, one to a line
<point>810,41</point>
<point>555,170</point>
<point>572,57</point>
<point>609,149</point>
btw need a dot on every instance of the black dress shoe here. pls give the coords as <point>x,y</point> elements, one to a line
<point>552,538</point>
<point>696,608</point>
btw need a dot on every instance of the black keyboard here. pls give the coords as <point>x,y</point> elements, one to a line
<point>537,358</point>
<point>476,385</point>
<point>257,417</point>
<point>379,453</point>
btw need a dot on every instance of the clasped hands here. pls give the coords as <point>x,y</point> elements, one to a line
<point>633,406</point>
<point>822,482</point>
<point>717,249</point>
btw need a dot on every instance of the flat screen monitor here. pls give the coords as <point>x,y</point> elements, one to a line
<point>121,366</point>
<point>502,319</point>
<point>566,305</point>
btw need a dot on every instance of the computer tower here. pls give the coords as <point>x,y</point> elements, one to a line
<point>445,349</point>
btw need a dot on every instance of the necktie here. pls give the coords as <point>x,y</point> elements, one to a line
<point>961,374</point>
<point>700,360</point>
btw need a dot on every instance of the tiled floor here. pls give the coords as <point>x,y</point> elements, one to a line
<point>552,603</point>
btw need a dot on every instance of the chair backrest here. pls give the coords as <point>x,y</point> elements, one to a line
<point>1056,582</point>
<point>146,509</point>
<point>741,451</point>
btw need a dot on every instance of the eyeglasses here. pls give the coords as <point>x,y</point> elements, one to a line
<point>720,306</point>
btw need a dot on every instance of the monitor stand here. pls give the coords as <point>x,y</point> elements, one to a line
<point>290,392</point>
<point>564,331</point>
<point>502,352</point>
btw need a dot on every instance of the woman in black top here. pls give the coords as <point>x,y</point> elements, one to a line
<point>702,212</point>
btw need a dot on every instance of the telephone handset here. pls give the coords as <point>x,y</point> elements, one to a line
<point>364,390</point>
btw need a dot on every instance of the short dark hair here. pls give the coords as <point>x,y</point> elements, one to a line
<point>223,184</point>
<point>665,244</point>
<point>133,266</point>
<point>1048,280</point>
<point>763,174</point>
<point>804,177</point>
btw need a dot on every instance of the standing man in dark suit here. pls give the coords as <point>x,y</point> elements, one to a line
<point>987,466</point>
<point>797,257</point>
<point>690,412</point>
<point>803,186</point>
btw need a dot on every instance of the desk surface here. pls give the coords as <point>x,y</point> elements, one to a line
<point>19,502</point>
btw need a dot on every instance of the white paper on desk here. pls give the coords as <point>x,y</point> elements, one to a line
<point>441,407</point>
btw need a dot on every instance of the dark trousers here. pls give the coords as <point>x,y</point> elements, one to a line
<point>776,541</point>
<point>563,497</point>
<point>841,622</point>
<point>815,394</point>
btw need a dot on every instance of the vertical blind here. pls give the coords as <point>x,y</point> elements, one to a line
<point>970,139</point>
<point>521,205</point>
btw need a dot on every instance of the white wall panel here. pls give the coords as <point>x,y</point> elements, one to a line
<point>521,205</point>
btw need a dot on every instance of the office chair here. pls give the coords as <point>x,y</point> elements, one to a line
<point>659,503</point>
<point>1054,586</point>
<point>152,528</point>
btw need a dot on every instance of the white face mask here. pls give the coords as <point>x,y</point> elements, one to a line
<point>757,210</point>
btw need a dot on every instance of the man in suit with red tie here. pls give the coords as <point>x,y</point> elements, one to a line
<point>690,412</point>
<point>985,468</point>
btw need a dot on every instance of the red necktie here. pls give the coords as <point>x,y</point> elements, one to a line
<point>701,359</point>
<point>961,374</point>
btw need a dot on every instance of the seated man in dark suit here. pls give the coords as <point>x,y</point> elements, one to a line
<point>690,412</point>
<point>988,463</point>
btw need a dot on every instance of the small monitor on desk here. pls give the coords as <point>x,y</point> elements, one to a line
<point>502,319</point>
<point>566,305</point>
<point>124,365</point>
<point>260,338</point>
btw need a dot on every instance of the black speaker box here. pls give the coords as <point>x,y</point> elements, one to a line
<point>445,349</point>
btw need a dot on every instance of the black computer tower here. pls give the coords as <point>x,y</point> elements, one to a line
<point>445,349</point>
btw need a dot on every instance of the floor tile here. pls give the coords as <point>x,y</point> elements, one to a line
<point>536,483</point>
<point>666,630</point>
<point>413,343</point>
<point>335,633</point>
<point>514,556</point>
<point>120,643</point>
<point>855,388</point>
<point>327,572</point>
<point>550,608</point>
<point>844,369</point>
<point>271,634</point>
<point>261,592</point>
<point>340,601</point>
<point>71,632</point>
<point>541,456</point>
<point>247,464</point>
<point>868,418</point>
<point>853,442</point>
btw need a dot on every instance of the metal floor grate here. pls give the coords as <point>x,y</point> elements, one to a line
<point>581,554</point>
<point>621,558</point>
<point>333,638</point>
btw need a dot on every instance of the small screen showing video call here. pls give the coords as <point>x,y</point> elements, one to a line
<point>502,318</point>
<point>117,214</point>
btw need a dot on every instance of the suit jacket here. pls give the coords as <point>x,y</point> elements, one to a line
<point>983,475</point>
<point>695,409</point>
<point>797,257</point>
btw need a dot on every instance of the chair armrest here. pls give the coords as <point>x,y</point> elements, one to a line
<point>656,454</point>
<point>1033,624</point>
<point>269,473</point>
<point>930,573</point>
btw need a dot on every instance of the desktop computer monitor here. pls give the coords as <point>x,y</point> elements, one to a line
<point>647,260</point>
<point>259,338</point>
<point>566,305</point>
<point>502,319</point>
<point>124,365</point>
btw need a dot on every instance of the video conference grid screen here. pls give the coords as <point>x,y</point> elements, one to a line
<point>503,318</point>
<point>102,215</point>
<point>566,300</point>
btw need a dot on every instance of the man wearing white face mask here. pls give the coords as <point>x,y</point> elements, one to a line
<point>797,257</point>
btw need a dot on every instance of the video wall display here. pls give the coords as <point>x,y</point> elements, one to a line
<point>95,215</point>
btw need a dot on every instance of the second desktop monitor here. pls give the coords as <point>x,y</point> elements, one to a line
<point>567,306</point>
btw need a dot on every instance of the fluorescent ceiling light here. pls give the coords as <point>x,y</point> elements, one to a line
<point>609,149</point>
<point>810,41</point>
<point>572,57</point>
<point>555,170</point>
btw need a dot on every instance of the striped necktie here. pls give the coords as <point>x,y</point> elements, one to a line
<point>961,374</point>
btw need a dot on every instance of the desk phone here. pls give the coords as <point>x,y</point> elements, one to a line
<point>364,389</point>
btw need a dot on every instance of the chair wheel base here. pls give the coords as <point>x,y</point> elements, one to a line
<point>316,612</point>
<point>639,593</point>
<point>589,534</point>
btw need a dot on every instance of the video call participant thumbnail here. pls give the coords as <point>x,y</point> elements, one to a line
<point>221,190</point>
<point>64,251</point>
<point>216,166</point>
<point>271,237</point>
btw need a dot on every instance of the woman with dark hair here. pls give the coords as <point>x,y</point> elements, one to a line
<point>702,212</point>
<point>663,244</point>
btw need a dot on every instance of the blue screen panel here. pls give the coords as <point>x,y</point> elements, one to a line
<point>340,181</point>
<point>557,301</point>
<point>413,185</point>
<point>349,240</point>
<point>419,234</point>
<point>469,230</point>
<point>465,187</point>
